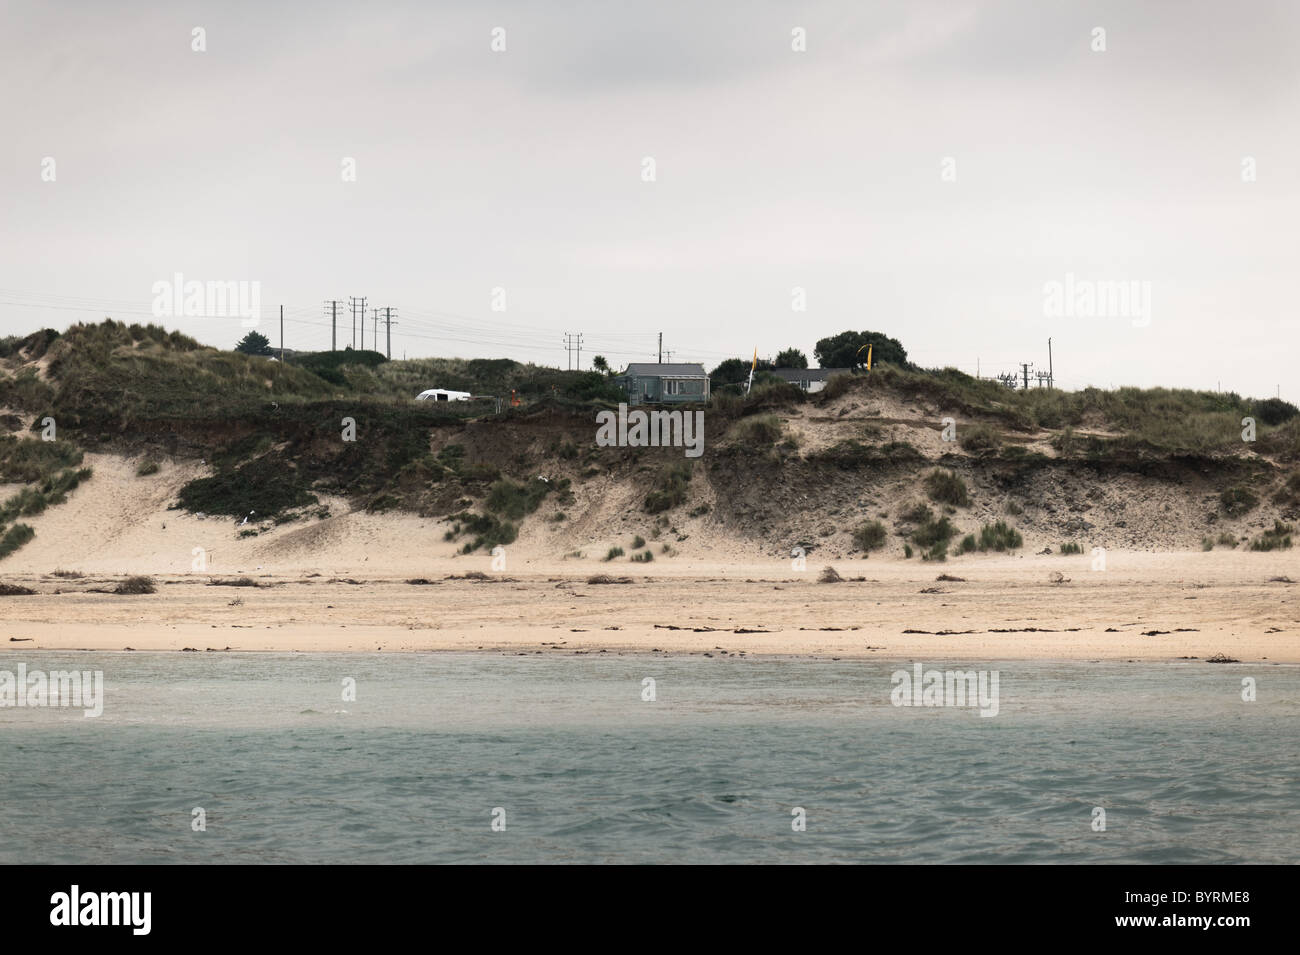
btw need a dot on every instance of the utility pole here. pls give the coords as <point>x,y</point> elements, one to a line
<point>388,325</point>
<point>1050,382</point>
<point>1026,365</point>
<point>334,324</point>
<point>374,312</point>
<point>661,348</point>
<point>356,303</point>
<point>573,343</point>
<point>281,334</point>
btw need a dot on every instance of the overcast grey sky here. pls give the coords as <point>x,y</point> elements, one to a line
<point>775,169</point>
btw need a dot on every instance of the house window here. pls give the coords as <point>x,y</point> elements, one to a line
<point>683,386</point>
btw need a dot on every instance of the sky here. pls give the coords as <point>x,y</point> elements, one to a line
<point>923,169</point>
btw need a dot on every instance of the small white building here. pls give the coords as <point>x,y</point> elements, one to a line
<point>811,380</point>
<point>442,394</point>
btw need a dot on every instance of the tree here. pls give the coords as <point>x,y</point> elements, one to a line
<point>254,343</point>
<point>841,351</point>
<point>735,371</point>
<point>600,364</point>
<point>791,358</point>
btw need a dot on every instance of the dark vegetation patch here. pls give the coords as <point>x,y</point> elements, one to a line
<point>14,538</point>
<point>1000,536</point>
<point>946,487</point>
<point>136,585</point>
<point>670,486</point>
<point>869,536</point>
<point>1277,537</point>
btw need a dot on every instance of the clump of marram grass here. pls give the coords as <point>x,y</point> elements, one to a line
<point>1000,536</point>
<point>146,467</point>
<point>968,545</point>
<point>934,531</point>
<point>14,538</point>
<point>638,542</point>
<point>669,489</point>
<point>869,536</point>
<point>936,551</point>
<point>1277,537</point>
<point>757,431</point>
<point>136,585</point>
<point>643,558</point>
<point>979,437</point>
<point>1070,547</point>
<point>946,488</point>
<point>614,552</point>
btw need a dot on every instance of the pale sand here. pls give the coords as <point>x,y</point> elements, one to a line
<point>1224,600</point>
<point>118,524</point>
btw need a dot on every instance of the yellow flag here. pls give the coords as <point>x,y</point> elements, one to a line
<point>755,364</point>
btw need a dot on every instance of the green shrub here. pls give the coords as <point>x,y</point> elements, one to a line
<point>907,551</point>
<point>947,488</point>
<point>614,552</point>
<point>669,488</point>
<point>147,467</point>
<point>1278,537</point>
<point>515,501</point>
<point>638,542</point>
<point>869,536</point>
<point>1000,536</point>
<point>643,558</point>
<point>31,459</point>
<point>968,544</point>
<point>933,532</point>
<point>14,538</point>
<point>488,531</point>
<point>979,437</point>
<point>937,551</point>
<point>264,485</point>
<point>1072,548</point>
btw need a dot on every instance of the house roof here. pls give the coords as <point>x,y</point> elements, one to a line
<point>674,370</point>
<point>808,374</point>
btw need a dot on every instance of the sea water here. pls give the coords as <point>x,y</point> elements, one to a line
<point>455,757</point>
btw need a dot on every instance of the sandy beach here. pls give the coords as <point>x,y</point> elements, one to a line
<point>342,584</point>
<point>1143,607</point>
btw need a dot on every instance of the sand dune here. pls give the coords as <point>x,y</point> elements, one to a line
<point>340,584</point>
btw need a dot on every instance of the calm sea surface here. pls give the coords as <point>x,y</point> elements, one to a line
<point>585,770</point>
